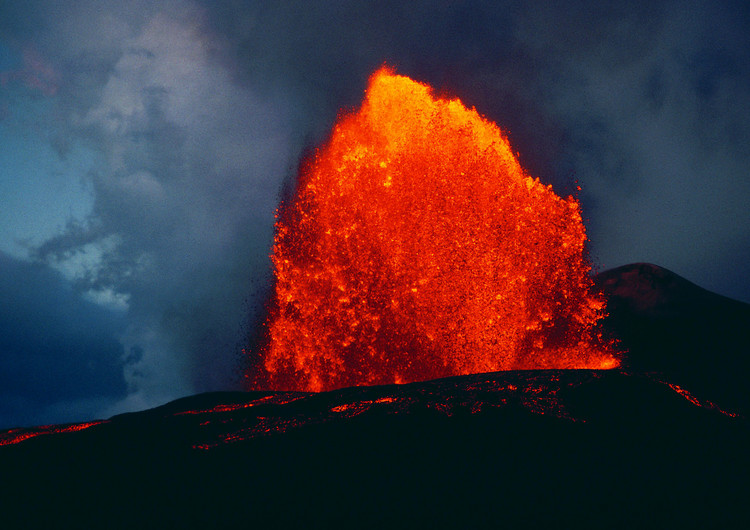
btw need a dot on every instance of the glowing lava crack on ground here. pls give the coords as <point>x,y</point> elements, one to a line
<point>416,247</point>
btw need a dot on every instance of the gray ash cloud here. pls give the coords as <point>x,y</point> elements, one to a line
<point>199,113</point>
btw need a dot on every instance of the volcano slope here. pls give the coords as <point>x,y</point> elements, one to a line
<point>681,332</point>
<point>615,449</point>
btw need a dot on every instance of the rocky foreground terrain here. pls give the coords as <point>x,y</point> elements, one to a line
<point>662,442</point>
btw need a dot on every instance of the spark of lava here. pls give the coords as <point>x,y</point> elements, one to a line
<point>417,247</point>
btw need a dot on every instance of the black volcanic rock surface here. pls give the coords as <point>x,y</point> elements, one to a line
<point>513,449</point>
<point>691,336</point>
<point>630,448</point>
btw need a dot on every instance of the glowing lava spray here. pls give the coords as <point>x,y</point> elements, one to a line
<point>417,247</point>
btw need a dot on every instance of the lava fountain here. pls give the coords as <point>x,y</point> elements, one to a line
<point>417,247</point>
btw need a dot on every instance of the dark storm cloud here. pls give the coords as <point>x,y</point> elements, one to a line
<point>201,110</point>
<point>659,145</point>
<point>645,104</point>
<point>61,357</point>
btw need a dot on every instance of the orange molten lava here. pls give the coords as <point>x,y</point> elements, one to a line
<point>417,247</point>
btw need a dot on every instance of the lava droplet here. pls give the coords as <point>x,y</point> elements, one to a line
<point>417,247</point>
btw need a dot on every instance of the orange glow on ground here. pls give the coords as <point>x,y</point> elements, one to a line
<point>417,247</point>
<point>14,436</point>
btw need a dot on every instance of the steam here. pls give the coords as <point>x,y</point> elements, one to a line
<point>198,112</point>
<point>185,194</point>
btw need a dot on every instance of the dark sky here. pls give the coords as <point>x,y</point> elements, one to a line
<point>144,144</point>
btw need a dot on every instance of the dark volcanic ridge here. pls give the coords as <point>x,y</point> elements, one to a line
<point>519,449</point>
<point>215,419</point>
<point>659,443</point>
<point>685,334</point>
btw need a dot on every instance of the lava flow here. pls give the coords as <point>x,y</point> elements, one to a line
<point>417,247</point>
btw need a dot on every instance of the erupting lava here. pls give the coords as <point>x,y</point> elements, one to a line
<point>417,247</point>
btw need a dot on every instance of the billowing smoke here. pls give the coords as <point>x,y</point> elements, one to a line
<point>196,115</point>
<point>189,168</point>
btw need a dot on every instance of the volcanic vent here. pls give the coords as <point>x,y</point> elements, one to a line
<point>417,247</point>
